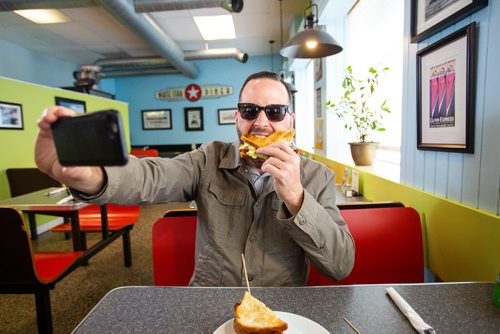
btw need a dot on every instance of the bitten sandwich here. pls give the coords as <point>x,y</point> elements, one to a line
<point>252,143</point>
<point>252,316</point>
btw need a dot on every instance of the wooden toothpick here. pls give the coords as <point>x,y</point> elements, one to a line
<point>246,274</point>
<point>246,278</point>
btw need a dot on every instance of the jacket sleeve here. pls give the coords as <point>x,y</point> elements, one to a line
<point>320,230</point>
<point>151,180</point>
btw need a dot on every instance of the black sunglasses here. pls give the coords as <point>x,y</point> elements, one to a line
<point>274,112</point>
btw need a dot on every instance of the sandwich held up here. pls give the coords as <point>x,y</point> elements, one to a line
<point>251,143</point>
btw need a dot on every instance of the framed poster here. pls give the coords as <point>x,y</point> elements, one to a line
<point>431,16</point>
<point>157,119</point>
<point>11,116</point>
<point>78,106</point>
<point>227,116</point>
<point>319,105</point>
<point>446,88</point>
<point>193,118</point>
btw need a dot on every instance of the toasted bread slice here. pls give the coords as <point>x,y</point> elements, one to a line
<point>251,143</point>
<point>252,316</point>
<point>282,135</point>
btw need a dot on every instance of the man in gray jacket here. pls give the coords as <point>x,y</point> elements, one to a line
<point>280,214</point>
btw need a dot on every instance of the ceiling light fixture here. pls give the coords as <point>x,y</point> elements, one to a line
<point>311,42</point>
<point>215,27</point>
<point>43,16</point>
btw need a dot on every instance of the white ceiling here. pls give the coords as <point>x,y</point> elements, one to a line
<point>94,34</point>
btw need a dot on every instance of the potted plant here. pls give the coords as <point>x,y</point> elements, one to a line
<point>358,109</point>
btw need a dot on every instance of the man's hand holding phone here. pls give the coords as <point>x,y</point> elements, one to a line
<point>89,179</point>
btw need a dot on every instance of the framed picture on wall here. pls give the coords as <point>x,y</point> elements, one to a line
<point>78,106</point>
<point>319,105</point>
<point>446,85</point>
<point>430,17</point>
<point>227,116</point>
<point>193,118</point>
<point>157,119</point>
<point>11,116</point>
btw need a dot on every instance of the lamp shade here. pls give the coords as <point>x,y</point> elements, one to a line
<point>311,43</point>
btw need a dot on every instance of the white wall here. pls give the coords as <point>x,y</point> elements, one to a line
<point>23,64</point>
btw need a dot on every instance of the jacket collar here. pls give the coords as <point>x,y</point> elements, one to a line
<point>231,159</point>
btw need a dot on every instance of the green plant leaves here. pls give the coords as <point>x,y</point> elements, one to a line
<point>355,106</point>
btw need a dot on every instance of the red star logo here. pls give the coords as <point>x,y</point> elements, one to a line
<point>192,92</point>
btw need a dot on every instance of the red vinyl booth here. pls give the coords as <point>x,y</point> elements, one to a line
<point>173,247</point>
<point>389,247</point>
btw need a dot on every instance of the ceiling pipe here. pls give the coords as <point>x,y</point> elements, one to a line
<point>141,6</point>
<point>141,25</point>
<point>141,71</point>
<point>147,29</point>
<point>188,55</point>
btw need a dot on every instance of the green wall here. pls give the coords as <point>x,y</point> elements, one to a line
<point>461,243</point>
<point>17,146</point>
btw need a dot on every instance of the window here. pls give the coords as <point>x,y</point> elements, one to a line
<point>372,36</point>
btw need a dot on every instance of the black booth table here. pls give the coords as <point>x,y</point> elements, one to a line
<point>448,307</point>
<point>38,202</point>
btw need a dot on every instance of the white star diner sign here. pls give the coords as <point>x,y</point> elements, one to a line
<point>193,92</point>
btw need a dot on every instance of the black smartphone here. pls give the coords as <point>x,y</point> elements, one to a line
<point>93,139</point>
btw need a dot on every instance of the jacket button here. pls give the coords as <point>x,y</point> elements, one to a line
<point>250,278</point>
<point>253,238</point>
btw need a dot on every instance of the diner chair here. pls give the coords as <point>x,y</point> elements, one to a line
<point>144,152</point>
<point>173,247</point>
<point>389,247</point>
<point>23,271</point>
<point>120,218</point>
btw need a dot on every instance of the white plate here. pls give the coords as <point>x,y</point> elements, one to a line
<point>297,324</point>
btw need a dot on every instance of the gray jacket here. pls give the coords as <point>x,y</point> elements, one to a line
<point>233,220</point>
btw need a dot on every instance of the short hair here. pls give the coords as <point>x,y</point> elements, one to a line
<point>268,75</point>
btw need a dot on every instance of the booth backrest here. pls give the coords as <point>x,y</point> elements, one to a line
<point>388,241</point>
<point>389,247</point>
<point>26,180</point>
<point>150,152</point>
<point>173,247</point>
<point>16,262</point>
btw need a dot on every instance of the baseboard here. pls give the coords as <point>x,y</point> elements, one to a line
<point>48,225</point>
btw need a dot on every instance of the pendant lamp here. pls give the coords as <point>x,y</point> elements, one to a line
<point>311,42</point>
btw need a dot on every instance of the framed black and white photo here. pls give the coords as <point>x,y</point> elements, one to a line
<point>227,116</point>
<point>431,16</point>
<point>157,119</point>
<point>193,118</point>
<point>78,106</point>
<point>446,88</point>
<point>11,116</point>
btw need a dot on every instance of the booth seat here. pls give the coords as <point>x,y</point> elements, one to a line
<point>388,241</point>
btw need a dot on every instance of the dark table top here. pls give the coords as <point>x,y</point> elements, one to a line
<point>39,201</point>
<point>448,307</point>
